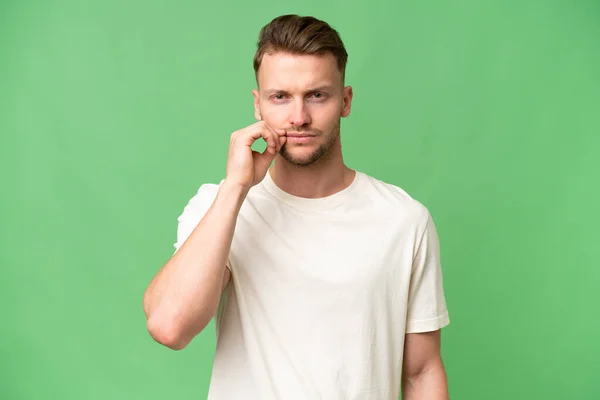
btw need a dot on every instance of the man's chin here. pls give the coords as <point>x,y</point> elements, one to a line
<point>302,156</point>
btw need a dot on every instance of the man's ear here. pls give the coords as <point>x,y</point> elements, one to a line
<point>256,105</point>
<point>347,105</point>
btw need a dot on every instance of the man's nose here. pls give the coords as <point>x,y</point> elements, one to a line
<point>300,115</point>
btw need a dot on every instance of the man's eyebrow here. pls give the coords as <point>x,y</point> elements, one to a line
<point>323,88</point>
<point>270,91</point>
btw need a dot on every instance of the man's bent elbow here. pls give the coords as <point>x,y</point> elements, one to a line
<point>168,334</point>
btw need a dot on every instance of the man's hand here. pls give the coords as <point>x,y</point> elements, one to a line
<point>246,167</point>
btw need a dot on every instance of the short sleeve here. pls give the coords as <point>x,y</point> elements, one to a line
<point>427,309</point>
<point>194,211</point>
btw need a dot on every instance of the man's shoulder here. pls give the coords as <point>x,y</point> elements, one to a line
<point>394,197</point>
<point>203,197</point>
<point>207,190</point>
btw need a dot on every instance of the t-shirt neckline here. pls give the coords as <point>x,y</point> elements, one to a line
<point>311,204</point>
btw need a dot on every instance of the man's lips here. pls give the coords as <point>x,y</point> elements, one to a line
<point>299,134</point>
<point>299,137</point>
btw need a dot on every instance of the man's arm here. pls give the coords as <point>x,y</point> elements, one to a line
<point>183,297</point>
<point>423,372</point>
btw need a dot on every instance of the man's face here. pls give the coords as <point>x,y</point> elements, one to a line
<point>303,94</point>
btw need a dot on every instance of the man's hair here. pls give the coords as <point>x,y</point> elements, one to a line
<point>302,36</point>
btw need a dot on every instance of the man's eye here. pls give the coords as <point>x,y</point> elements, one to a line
<point>318,96</point>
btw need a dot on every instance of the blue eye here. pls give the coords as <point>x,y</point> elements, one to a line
<point>319,96</point>
<point>278,96</point>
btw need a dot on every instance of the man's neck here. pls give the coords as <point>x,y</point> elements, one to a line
<point>314,181</point>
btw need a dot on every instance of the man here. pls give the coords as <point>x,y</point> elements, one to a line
<point>324,282</point>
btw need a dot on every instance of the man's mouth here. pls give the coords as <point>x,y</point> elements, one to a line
<point>299,137</point>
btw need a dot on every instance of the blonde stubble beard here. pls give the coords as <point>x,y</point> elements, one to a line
<point>318,155</point>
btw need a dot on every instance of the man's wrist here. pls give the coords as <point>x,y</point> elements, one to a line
<point>232,195</point>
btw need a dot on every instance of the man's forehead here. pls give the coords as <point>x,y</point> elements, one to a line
<point>303,71</point>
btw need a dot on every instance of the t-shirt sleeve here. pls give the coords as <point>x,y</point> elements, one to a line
<point>426,302</point>
<point>194,211</point>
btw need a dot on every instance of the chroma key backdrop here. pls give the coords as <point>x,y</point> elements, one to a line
<point>113,113</point>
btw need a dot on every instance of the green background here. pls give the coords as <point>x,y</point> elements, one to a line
<point>112,113</point>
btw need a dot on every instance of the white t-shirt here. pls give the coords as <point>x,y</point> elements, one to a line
<point>323,292</point>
